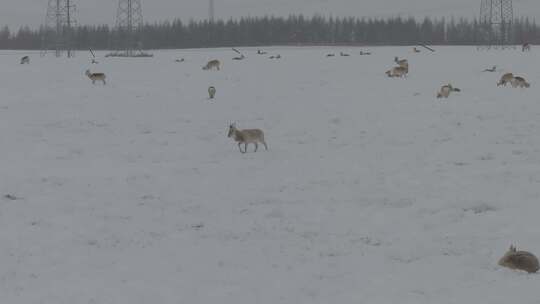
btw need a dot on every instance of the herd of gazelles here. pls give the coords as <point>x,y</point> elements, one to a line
<point>256,136</point>
<point>513,259</point>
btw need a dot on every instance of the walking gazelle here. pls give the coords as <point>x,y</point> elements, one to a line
<point>247,136</point>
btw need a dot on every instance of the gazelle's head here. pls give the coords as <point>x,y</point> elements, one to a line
<point>232,129</point>
<point>504,260</point>
<point>87,73</point>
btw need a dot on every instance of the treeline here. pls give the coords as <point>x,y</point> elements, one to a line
<point>295,30</point>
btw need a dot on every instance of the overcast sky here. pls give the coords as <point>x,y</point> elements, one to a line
<point>32,12</point>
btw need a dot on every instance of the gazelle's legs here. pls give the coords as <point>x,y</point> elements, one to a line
<point>240,148</point>
<point>245,147</point>
<point>265,145</point>
<point>256,146</point>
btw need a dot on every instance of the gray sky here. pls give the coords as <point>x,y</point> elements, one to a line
<point>32,12</point>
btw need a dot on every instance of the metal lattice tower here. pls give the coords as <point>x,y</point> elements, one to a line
<point>129,22</point>
<point>211,11</point>
<point>496,24</point>
<point>58,28</point>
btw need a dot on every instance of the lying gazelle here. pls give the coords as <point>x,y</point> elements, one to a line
<point>397,72</point>
<point>519,82</point>
<point>212,64</point>
<point>343,54</point>
<point>25,60</point>
<point>520,260</point>
<point>506,78</point>
<point>446,90</point>
<point>416,50</point>
<point>96,76</point>
<point>492,69</point>
<point>248,136</point>
<point>402,62</point>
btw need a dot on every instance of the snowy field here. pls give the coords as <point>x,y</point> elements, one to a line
<point>372,190</point>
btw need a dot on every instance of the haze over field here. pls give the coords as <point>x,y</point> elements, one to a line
<point>32,12</point>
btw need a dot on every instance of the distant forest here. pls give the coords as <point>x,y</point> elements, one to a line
<point>292,30</point>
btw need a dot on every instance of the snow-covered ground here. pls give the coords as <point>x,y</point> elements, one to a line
<point>372,191</point>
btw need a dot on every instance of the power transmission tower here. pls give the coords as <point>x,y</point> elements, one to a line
<point>58,29</point>
<point>129,24</point>
<point>211,12</point>
<point>496,24</point>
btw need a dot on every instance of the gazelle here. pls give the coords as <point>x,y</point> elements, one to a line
<point>526,47</point>
<point>343,54</point>
<point>506,78</point>
<point>519,82</point>
<point>96,76</point>
<point>416,50</point>
<point>521,260</point>
<point>446,90</point>
<point>402,62</point>
<point>25,60</point>
<point>212,64</point>
<point>248,136</point>
<point>492,69</point>
<point>211,92</point>
<point>397,72</point>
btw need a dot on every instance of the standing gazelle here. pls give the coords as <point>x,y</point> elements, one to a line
<point>96,76</point>
<point>247,136</point>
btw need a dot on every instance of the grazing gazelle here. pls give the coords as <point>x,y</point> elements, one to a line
<point>521,260</point>
<point>96,76</point>
<point>248,136</point>
<point>397,72</point>
<point>446,90</point>
<point>25,60</point>
<point>519,82</point>
<point>526,47</point>
<point>212,92</point>
<point>506,78</point>
<point>212,64</point>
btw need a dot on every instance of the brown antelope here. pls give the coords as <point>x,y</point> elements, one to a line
<point>446,90</point>
<point>521,260</point>
<point>96,76</point>
<point>519,82</point>
<point>343,54</point>
<point>402,62</point>
<point>506,78</point>
<point>248,136</point>
<point>526,47</point>
<point>397,72</point>
<point>212,64</point>
<point>416,50</point>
